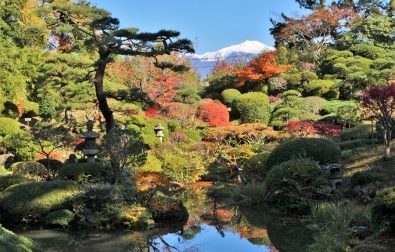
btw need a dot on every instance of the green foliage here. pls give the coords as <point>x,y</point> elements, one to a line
<point>9,180</point>
<point>31,170</point>
<point>165,208</point>
<point>352,144</point>
<point>229,95</point>
<point>30,200</point>
<point>189,95</point>
<point>253,107</point>
<point>59,218</point>
<point>323,88</point>
<point>123,147</point>
<point>383,210</point>
<point>337,225</point>
<point>348,115</point>
<point>254,168</point>
<point>152,164</point>
<point>251,194</point>
<point>363,131</point>
<point>14,139</point>
<point>10,242</point>
<point>363,178</point>
<point>82,170</point>
<point>182,166</point>
<point>4,171</point>
<point>136,216</point>
<point>320,150</point>
<point>295,185</point>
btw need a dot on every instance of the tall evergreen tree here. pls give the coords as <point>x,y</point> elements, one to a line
<point>80,23</point>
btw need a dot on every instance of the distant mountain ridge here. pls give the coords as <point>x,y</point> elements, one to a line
<point>204,63</point>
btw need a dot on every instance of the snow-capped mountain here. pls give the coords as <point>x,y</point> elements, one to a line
<point>247,50</point>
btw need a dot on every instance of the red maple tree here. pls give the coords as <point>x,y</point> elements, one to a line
<point>379,101</point>
<point>214,113</point>
<point>163,89</point>
<point>263,67</point>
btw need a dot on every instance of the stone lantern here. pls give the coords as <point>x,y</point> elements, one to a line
<point>90,149</point>
<point>159,132</point>
<point>335,174</point>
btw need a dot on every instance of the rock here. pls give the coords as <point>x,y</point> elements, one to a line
<point>6,160</point>
<point>362,232</point>
<point>164,208</point>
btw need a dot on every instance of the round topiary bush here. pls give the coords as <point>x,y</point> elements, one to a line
<point>383,210</point>
<point>30,200</point>
<point>296,184</point>
<point>253,107</point>
<point>229,95</point>
<point>214,113</point>
<point>255,167</point>
<point>31,170</point>
<point>76,171</point>
<point>320,150</point>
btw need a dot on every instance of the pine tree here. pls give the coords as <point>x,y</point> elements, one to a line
<point>81,25</point>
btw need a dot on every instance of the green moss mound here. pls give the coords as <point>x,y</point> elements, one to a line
<point>320,150</point>
<point>59,218</point>
<point>9,180</point>
<point>295,185</point>
<point>76,171</point>
<point>30,200</point>
<point>31,170</point>
<point>10,242</point>
<point>383,210</point>
<point>165,208</point>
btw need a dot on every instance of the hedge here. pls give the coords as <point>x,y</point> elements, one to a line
<point>253,107</point>
<point>320,150</point>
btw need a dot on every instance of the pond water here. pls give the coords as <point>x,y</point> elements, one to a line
<point>212,226</point>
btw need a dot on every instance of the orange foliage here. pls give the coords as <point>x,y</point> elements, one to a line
<point>149,180</point>
<point>53,156</point>
<point>263,67</point>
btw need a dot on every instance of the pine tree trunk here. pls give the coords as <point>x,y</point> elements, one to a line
<point>387,143</point>
<point>100,94</point>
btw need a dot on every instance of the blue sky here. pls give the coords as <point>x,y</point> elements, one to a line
<point>210,24</point>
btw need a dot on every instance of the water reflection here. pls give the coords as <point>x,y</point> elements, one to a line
<point>212,226</point>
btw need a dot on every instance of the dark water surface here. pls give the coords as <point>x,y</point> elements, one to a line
<point>211,227</point>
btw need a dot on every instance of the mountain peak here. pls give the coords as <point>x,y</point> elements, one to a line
<point>247,47</point>
<point>246,50</point>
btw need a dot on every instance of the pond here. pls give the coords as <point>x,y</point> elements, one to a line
<point>212,226</point>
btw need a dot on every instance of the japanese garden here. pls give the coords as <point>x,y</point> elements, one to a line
<point>114,138</point>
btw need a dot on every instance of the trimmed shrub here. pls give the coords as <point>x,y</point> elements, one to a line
<point>255,167</point>
<point>323,88</point>
<point>253,107</point>
<point>10,242</point>
<point>31,170</point>
<point>320,150</point>
<point>348,115</point>
<point>8,126</point>
<point>9,180</point>
<point>366,177</point>
<point>77,171</point>
<point>29,200</point>
<point>214,113</point>
<point>383,210</point>
<point>59,218</point>
<point>296,184</point>
<point>363,131</point>
<point>229,95</point>
<point>352,144</point>
<point>4,171</point>
<point>250,194</point>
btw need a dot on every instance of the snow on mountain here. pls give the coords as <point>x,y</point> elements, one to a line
<point>247,50</point>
